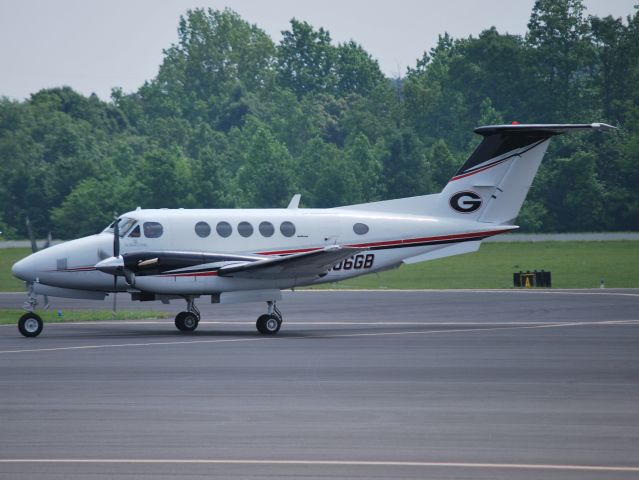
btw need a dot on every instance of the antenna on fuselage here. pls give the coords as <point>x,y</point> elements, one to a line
<point>295,201</point>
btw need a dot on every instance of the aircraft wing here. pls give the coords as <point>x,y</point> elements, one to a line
<point>306,264</point>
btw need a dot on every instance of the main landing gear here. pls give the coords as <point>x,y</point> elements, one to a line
<point>189,320</point>
<point>269,323</point>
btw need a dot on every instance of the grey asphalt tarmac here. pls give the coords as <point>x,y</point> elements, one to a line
<point>437,384</point>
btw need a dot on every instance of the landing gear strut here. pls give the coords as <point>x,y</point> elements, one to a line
<point>269,323</point>
<point>30,324</point>
<point>189,320</point>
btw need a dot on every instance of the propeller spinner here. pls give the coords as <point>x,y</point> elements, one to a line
<point>114,265</point>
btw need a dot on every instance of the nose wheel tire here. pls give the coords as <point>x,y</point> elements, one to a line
<point>268,324</point>
<point>30,324</point>
<point>186,321</point>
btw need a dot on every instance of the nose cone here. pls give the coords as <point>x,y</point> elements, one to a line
<point>24,269</point>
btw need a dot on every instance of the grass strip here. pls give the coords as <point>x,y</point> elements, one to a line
<point>572,265</point>
<point>9,316</point>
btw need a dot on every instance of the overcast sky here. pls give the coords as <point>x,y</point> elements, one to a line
<point>96,45</point>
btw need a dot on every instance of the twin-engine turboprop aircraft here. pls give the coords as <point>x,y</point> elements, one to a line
<point>246,255</point>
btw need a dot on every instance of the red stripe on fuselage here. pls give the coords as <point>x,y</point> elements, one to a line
<point>483,169</point>
<point>74,269</point>
<point>408,241</point>
<point>458,236</point>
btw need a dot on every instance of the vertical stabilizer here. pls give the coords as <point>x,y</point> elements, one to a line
<point>493,183</point>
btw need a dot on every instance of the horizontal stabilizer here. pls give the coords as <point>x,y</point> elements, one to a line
<point>548,128</point>
<point>445,251</point>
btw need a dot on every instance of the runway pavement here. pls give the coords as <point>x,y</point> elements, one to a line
<point>436,384</point>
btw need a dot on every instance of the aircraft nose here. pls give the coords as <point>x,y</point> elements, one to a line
<point>24,270</point>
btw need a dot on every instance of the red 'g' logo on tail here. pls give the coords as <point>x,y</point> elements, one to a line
<point>465,202</point>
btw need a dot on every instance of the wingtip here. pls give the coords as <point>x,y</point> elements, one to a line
<point>603,126</point>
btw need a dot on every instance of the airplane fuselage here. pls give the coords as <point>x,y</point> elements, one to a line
<point>388,239</point>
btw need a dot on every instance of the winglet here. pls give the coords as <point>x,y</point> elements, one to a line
<point>603,126</point>
<point>295,201</point>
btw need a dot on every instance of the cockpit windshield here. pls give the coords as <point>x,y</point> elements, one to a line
<point>125,224</point>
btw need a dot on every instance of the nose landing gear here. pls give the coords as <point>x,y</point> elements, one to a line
<point>189,320</point>
<point>269,323</point>
<point>30,324</point>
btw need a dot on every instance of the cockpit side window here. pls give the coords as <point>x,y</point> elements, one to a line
<point>135,233</point>
<point>153,229</point>
<point>125,224</point>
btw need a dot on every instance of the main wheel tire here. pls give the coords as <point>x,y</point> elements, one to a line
<point>186,321</point>
<point>268,324</point>
<point>30,324</point>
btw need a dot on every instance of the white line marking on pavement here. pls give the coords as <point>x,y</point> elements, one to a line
<point>121,345</point>
<point>585,291</point>
<point>215,322</point>
<point>354,463</point>
<point>324,336</point>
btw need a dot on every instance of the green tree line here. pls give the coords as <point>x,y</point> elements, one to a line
<point>233,119</point>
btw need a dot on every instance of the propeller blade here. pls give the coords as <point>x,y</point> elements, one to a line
<point>47,244</point>
<point>116,237</point>
<point>34,246</point>
<point>115,296</point>
<point>130,277</point>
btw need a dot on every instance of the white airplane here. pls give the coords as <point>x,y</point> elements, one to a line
<point>245,255</point>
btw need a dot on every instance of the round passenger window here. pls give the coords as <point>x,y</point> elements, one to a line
<point>245,229</point>
<point>224,229</point>
<point>287,229</point>
<point>267,229</point>
<point>152,229</point>
<point>202,229</point>
<point>360,228</point>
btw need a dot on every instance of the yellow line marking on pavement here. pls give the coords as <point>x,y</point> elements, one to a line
<point>354,463</point>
